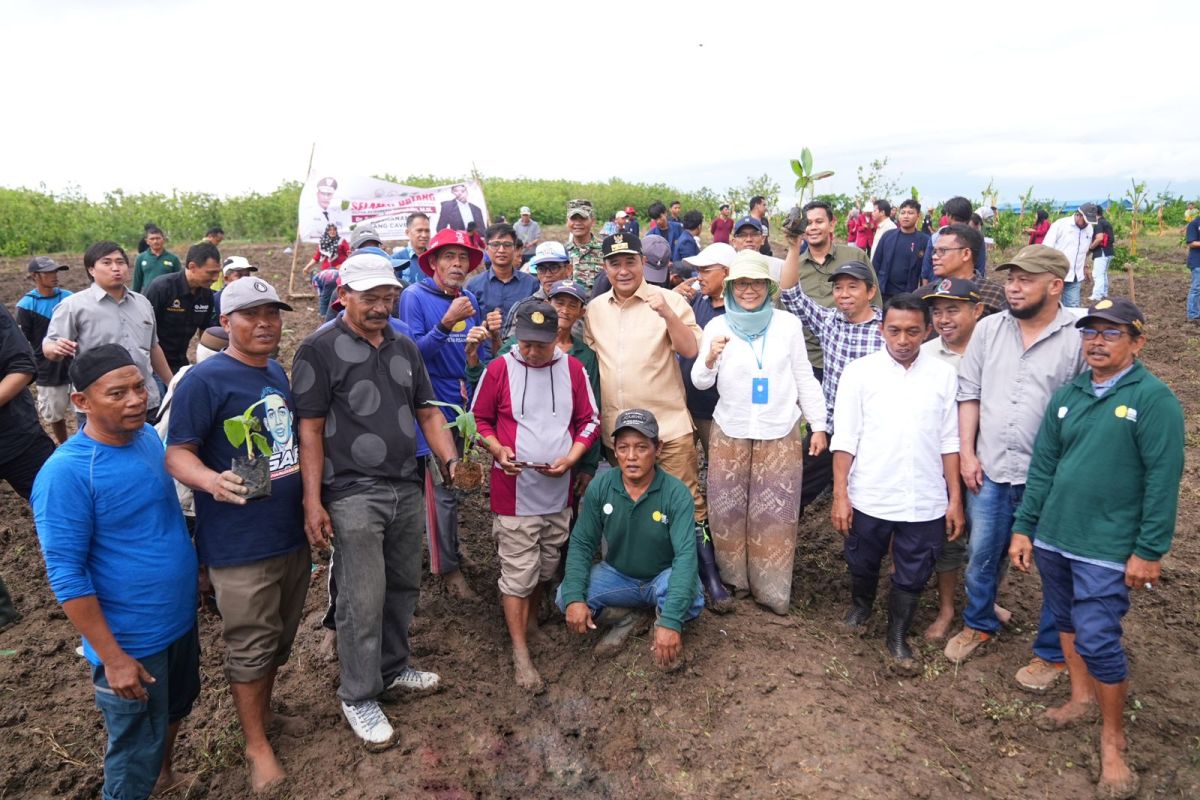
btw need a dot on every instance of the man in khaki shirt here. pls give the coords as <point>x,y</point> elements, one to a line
<point>636,331</point>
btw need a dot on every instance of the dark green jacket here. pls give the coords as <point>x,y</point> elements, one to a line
<point>147,267</point>
<point>1104,479</point>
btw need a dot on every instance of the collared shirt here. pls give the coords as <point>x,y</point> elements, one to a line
<point>1072,241</point>
<point>814,280</point>
<point>938,349</point>
<point>897,423</point>
<point>1013,385</point>
<point>491,292</point>
<point>368,397</point>
<point>147,267</point>
<point>587,260</point>
<point>179,311</point>
<point>92,317</point>
<point>1103,386</point>
<point>528,234</point>
<point>637,360</point>
<point>841,341</point>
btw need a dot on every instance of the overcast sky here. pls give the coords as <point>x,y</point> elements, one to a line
<point>226,97</point>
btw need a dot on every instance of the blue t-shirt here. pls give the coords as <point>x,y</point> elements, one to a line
<point>109,523</point>
<point>1193,235</point>
<point>213,391</point>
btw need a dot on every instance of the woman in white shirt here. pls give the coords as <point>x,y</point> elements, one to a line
<point>757,358</point>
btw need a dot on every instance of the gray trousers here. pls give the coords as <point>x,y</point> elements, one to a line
<point>377,534</point>
<point>441,520</point>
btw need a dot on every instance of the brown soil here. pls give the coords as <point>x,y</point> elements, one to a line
<point>767,707</point>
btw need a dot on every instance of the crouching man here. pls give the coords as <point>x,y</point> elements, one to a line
<point>644,516</point>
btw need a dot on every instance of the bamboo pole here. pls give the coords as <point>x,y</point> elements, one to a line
<point>292,295</point>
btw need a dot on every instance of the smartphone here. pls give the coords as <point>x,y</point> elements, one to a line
<point>530,464</point>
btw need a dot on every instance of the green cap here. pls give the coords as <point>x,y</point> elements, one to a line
<point>1039,258</point>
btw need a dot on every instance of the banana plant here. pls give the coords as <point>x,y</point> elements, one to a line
<point>806,179</point>
<point>244,429</point>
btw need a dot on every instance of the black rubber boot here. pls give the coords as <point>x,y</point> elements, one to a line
<point>719,599</point>
<point>902,606</point>
<point>862,601</point>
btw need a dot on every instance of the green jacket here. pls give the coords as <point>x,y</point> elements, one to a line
<point>644,538</point>
<point>1104,479</point>
<point>147,267</point>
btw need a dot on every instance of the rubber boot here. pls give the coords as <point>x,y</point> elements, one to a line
<point>862,601</point>
<point>902,606</point>
<point>719,599</point>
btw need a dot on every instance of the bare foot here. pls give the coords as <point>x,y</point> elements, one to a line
<point>1002,613</point>
<point>456,584</point>
<point>286,725</point>
<point>1117,780</point>
<point>940,627</point>
<point>170,781</point>
<point>1066,715</point>
<point>328,647</point>
<point>526,674</point>
<point>265,770</point>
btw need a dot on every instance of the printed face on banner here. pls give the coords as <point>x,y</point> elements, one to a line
<point>352,201</point>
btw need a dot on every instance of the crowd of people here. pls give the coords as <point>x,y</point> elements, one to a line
<point>659,414</point>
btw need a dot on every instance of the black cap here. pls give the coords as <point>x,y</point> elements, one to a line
<point>97,362</point>
<point>1089,212</point>
<point>637,419</point>
<point>45,264</point>
<point>855,269</point>
<point>536,322</point>
<point>1120,310</point>
<point>619,243</point>
<point>950,289</point>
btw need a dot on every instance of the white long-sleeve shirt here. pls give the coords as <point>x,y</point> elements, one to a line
<point>897,423</point>
<point>791,387</point>
<point>1072,241</point>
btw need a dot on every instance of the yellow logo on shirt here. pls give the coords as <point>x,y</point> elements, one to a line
<point>658,516</point>
<point>459,326</point>
<point>1121,411</point>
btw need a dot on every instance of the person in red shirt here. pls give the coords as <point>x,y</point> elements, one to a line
<point>722,225</point>
<point>1042,224</point>
<point>865,236</point>
<point>852,225</point>
<point>332,250</point>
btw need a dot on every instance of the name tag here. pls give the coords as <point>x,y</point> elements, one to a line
<point>759,391</point>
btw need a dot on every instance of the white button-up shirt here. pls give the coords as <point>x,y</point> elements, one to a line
<point>897,423</point>
<point>1072,241</point>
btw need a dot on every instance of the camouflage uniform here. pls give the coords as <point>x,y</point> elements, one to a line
<point>586,260</point>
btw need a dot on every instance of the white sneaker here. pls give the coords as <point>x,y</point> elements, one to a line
<point>369,723</point>
<point>414,680</point>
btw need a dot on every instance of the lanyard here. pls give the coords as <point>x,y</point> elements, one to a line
<point>762,352</point>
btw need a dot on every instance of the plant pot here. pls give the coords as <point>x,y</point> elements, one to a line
<point>257,476</point>
<point>468,476</point>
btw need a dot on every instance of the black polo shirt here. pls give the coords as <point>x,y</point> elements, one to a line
<point>368,397</point>
<point>179,311</point>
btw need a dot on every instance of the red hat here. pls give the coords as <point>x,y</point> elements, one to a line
<point>630,210</point>
<point>448,237</point>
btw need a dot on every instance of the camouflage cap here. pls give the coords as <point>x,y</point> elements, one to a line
<point>1039,258</point>
<point>580,208</point>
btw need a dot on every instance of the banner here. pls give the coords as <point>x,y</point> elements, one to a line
<point>349,201</point>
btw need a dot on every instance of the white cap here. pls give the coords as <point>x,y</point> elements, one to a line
<point>249,293</point>
<point>984,212</point>
<point>236,263</point>
<point>621,213</point>
<point>367,271</point>
<point>717,253</point>
<point>549,251</point>
<point>524,209</point>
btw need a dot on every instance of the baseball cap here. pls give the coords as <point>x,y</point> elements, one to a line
<point>536,322</point>
<point>683,270</point>
<point>637,419</point>
<point>363,234</point>
<point>1089,211</point>
<point>744,221</point>
<point>716,254</point>
<point>622,243</point>
<point>525,210</point>
<point>985,212</point>
<point>630,210</point>
<point>1039,258</point>
<point>950,289</point>
<point>1120,310</point>
<point>249,292</point>
<point>549,252</point>
<point>658,258</point>
<point>855,269</point>
<point>45,264</point>
<point>364,271</point>
<point>568,287</point>
<point>621,214</point>
<point>580,208</point>
<point>236,263</point>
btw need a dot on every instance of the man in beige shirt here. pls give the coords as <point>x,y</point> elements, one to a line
<point>636,330</point>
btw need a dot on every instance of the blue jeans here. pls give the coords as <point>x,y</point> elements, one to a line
<point>609,588</point>
<point>1100,277</point>
<point>325,295</point>
<point>137,729</point>
<point>1193,301</point>
<point>1072,291</point>
<point>1089,601</point>
<point>991,513</point>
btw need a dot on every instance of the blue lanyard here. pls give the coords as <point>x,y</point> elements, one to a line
<point>761,354</point>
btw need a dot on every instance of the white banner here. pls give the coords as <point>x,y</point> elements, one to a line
<point>349,201</point>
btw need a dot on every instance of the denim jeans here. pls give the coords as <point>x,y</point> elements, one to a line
<point>1072,292</point>
<point>1193,300</point>
<point>137,729</point>
<point>1100,277</point>
<point>1089,601</point>
<point>609,588</point>
<point>325,297</point>
<point>991,513</point>
<point>377,568</point>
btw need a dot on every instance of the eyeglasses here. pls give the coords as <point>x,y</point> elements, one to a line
<point>744,287</point>
<point>1109,334</point>
<point>502,245</point>
<point>941,251</point>
<point>749,235</point>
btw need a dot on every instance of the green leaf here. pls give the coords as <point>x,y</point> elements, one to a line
<point>806,160</point>
<point>262,444</point>
<point>797,168</point>
<point>822,175</point>
<point>800,184</point>
<point>235,431</point>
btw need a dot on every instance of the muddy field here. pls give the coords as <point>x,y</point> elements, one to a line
<point>768,706</point>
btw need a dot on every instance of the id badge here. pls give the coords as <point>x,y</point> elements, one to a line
<point>758,391</point>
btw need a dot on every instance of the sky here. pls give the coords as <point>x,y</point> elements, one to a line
<point>228,97</point>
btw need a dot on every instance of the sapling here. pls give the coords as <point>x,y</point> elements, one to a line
<point>469,475</point>
<point>246,429</point>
